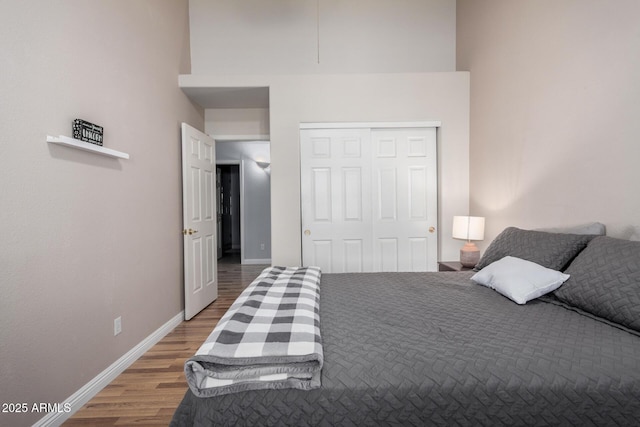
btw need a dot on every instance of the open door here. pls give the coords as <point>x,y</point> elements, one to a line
<point>199,220</point>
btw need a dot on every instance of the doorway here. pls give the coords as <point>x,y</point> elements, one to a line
<point>248,165</point>
<point>229,210</point>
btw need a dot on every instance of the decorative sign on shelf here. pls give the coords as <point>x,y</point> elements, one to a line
<point>87,132</point>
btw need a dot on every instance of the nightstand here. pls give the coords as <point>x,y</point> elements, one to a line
<point>452,266</point>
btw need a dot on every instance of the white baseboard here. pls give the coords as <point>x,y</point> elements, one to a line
<point>78,399</point>
<point>266,261</point>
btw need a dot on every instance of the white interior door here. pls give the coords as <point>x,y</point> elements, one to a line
<point>369,199</point>
<point>336,199</point>
<point>219,210</point>
<point>199,217</point>
<point>405,199</point>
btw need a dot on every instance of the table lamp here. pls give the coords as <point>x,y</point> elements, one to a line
<point>469,228</point>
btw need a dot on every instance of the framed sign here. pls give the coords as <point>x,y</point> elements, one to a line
<point>87,132</point>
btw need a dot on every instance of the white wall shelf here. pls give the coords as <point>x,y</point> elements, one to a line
<point>81,145</point>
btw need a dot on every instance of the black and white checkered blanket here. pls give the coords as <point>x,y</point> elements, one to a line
<point>269,338</point>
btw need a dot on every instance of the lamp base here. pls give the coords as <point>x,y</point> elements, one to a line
<point>469,255</point>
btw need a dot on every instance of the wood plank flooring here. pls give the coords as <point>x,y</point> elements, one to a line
<point>148,392</point>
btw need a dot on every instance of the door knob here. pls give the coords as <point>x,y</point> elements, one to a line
<point>432,229</point>
<point>307,232</point>
<point>189,231</point>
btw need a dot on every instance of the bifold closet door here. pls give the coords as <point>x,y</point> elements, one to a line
<point>369,199</point>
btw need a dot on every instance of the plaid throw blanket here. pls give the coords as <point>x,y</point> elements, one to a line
<point>269,338</point>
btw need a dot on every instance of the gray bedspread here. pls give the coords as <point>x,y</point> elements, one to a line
<point>435,349</point>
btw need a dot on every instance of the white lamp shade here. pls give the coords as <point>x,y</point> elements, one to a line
<point>468,227</point>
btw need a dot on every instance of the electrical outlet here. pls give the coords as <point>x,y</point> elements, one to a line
<point>117,325</point>
<point>262,246</point>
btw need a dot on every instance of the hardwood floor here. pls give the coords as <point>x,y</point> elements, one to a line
<point>149,391</point>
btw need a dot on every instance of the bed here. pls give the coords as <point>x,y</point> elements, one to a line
<point>439,349</point>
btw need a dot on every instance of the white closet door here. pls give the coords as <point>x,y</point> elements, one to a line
<point>369,199</point>
<point>336,199</point>
<point>405,199</point>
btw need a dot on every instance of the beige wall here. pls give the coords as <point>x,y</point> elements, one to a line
<point>377,62</point>
<point>295,99</point>
<point>237,121</point>
<point>555,102</point>
<point>86,238</point>
<point>297,37</point>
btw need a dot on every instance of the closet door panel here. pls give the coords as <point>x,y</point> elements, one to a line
<point>336,199</point>
<point>407,176</point>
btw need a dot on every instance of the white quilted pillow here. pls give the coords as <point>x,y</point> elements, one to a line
<point>518,279</point>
